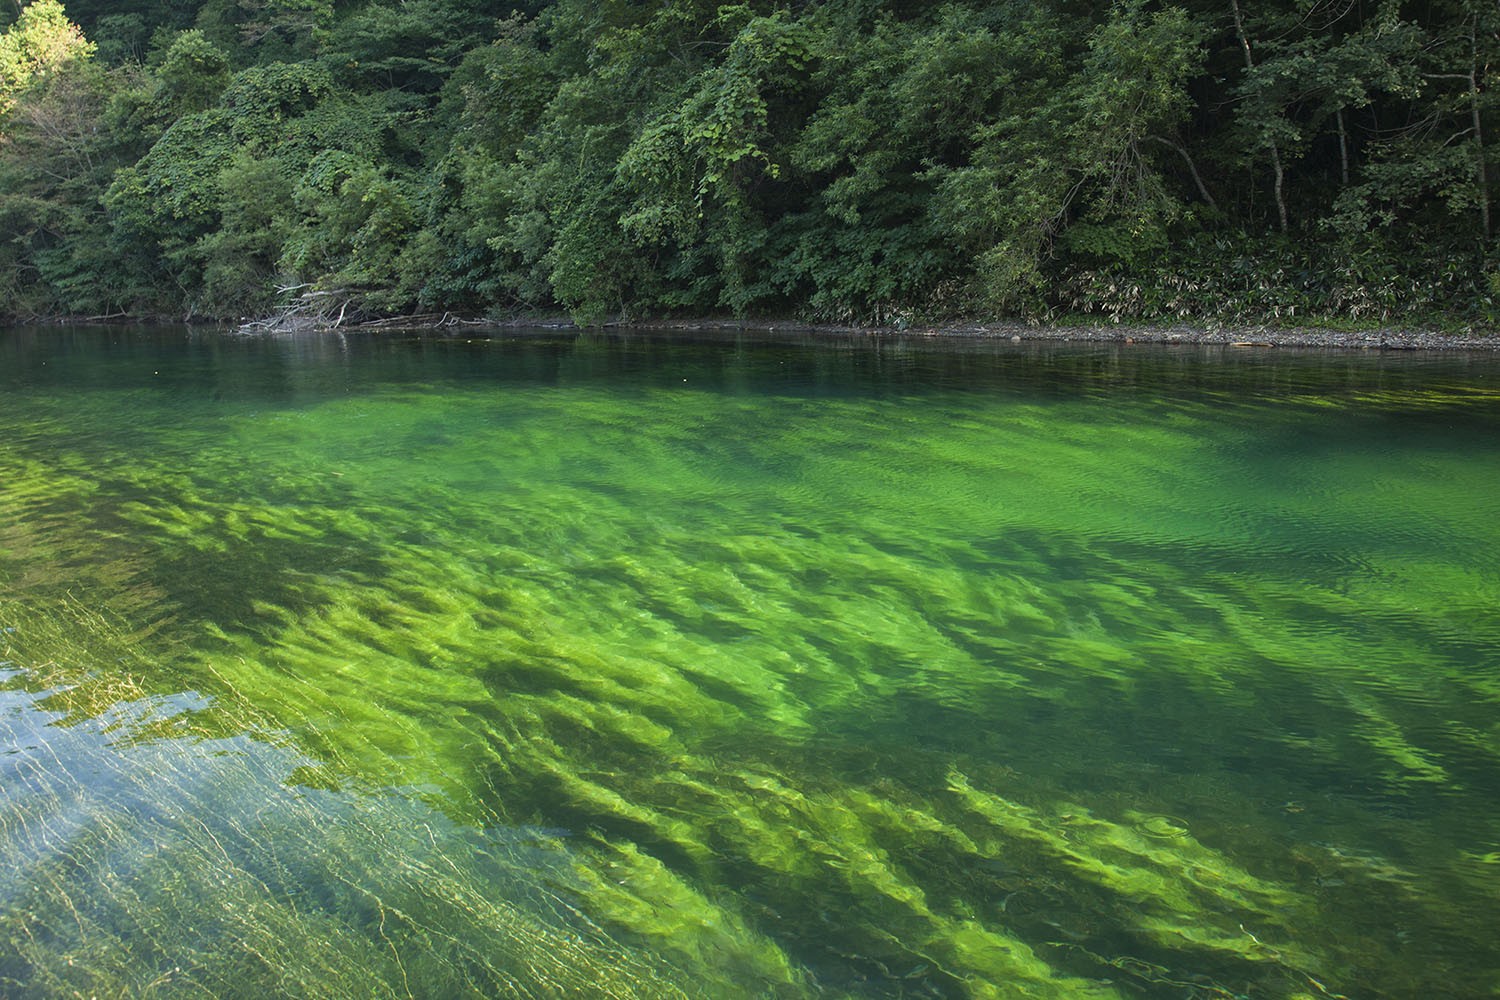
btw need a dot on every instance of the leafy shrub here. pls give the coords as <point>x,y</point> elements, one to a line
<point>1242,278</point>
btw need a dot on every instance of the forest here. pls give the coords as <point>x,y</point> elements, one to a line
<point>848,161</point>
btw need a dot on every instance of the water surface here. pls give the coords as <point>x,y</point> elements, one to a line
<point>579,665</point>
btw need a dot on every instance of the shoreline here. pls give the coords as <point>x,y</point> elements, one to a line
<point>1019,331</point>
<point>1016,331</point>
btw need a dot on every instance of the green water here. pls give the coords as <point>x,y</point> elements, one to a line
<point>590,666</point>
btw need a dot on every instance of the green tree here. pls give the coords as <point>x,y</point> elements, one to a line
<point>1130,98</point>
<point>489,107</point>
<point>55,159</point>
<point>355,223</point>
<point>1438,169</point>
<point>694,170</point>
<point>845,159</point>
<point>904,104</point>
<point>294,26</point>
<point>41,42</point>
<point>240,257</point>
<point>192,74</point>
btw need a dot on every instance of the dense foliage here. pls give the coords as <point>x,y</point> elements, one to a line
<point>841,160</point>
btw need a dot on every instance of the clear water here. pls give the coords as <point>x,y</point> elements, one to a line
<point>590,666</point>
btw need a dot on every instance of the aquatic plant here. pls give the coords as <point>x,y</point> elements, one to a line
<point>910,691</point>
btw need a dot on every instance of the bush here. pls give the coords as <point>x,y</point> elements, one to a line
<point>1239,278</point>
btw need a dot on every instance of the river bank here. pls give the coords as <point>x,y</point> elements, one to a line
<point>1226,335</point>
<point>1382,338</point>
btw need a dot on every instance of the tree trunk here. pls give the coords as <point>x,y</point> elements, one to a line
<point>1187,158</point>
<point>1343,149</point>
<point>1483,173</point>
<point>1239,28</point>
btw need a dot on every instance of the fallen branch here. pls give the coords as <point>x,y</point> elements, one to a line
<point>319,309</point>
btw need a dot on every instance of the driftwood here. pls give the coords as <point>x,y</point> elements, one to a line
<point>337,309</point>
<point>311,309</point>
<point>427,321</point>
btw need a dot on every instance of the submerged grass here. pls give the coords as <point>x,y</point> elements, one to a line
<point>630,686</point>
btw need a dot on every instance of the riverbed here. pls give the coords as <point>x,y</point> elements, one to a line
<point>724,664</point>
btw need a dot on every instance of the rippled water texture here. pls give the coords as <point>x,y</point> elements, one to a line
<point>590,666</point>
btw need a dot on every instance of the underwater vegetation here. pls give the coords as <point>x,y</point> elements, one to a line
<point>593,666</point>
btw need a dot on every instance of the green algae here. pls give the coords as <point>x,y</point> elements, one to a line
<point>763,685</point>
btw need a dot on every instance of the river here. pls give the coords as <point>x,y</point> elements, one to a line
<point>552,664</point>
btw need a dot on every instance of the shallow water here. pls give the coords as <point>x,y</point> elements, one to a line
<point>623,666</point>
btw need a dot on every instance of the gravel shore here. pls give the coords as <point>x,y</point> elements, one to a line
<point>1229,336</point>
<point>1378,339</point>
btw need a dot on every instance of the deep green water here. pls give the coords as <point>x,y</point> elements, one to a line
<point>591,666</point>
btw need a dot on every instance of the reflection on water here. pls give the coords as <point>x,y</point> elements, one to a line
<point>623,666</point>
<point>145,853</point>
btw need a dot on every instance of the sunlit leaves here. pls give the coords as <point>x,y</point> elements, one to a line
<point>42,41</point>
